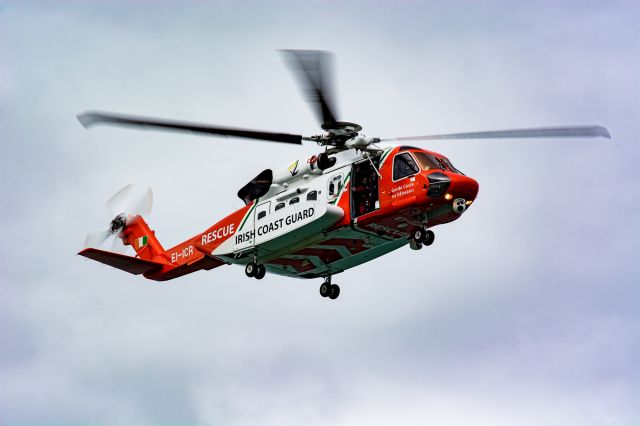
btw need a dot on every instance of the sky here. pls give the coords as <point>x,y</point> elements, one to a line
<point>525,311</point>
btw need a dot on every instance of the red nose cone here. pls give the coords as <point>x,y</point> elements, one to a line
<point>463,187</point>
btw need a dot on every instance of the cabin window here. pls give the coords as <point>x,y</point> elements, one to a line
<point>403,166</point>
<point>312,196</point>
<point>294,200</point>
<point>279,206</point>
<point>335,185</point>
<point>262,210</point>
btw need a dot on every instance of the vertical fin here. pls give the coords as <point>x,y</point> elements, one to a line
<point>138,234</point>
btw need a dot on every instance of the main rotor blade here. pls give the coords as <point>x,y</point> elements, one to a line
<point>537,132</point>
<point>312,69</point>
<point>91,118</point>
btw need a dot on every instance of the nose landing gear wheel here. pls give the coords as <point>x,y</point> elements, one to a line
<point>421,237</point>
<point>429,238</point>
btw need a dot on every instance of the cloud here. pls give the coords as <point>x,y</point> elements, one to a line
<point>523,312</point>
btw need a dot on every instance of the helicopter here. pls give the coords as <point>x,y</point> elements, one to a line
<point>358,199</point>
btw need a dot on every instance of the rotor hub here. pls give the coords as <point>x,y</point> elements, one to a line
<point>117,223</point>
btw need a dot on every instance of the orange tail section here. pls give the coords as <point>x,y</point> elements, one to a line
<point>151,258</point>
<point>138,234</point>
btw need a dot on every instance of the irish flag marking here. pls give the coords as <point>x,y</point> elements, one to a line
<point>141,242</point>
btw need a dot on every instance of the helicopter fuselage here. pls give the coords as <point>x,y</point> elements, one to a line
<point>311,223</point>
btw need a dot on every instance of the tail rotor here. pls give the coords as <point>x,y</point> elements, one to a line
<point>125,205</point>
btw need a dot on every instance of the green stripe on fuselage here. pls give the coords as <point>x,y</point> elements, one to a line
<point>385,155</point>
<point>244,220</point>
<point>344,185</point>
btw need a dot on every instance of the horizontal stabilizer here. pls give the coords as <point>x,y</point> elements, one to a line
<point>133,265</point>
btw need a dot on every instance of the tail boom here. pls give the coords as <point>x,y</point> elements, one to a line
<point>156,263</point>
<point>152,260</point>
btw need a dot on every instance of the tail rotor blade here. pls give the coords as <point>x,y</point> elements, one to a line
<point>123,204</point>
<point>144,204</point>
<point>127,201</point>
<point>117,246</point>
<point>116,203</point>
<point>96,239</point>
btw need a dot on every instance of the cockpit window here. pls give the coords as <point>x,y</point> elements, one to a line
<point>403,166</point>
<point>431,162</point>
<point>450,166</point>
<point>428,161</point>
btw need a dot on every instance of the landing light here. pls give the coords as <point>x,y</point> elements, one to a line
<point>448,196</point>
<point>469,202</point>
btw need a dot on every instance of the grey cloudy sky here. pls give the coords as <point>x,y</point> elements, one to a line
<point>524,311</point>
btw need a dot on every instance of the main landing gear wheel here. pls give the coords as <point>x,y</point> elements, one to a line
<point>415,245</point>
<point>261,271</point>
<point>334,292</point>
<point>254,270</point>
<point>250,269</point>
<point>325,289</point>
